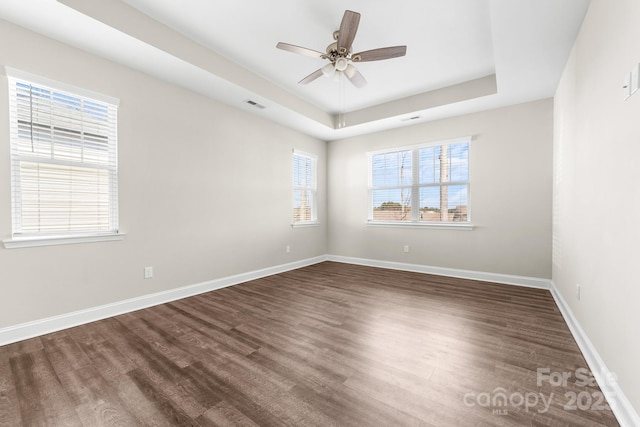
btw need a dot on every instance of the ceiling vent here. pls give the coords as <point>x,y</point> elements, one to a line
<point>255,104</point>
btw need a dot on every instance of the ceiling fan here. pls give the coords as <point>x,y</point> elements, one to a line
<point>339,53</point>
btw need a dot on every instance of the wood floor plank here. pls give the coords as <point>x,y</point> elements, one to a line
<point>211,330</point>
<point>9,406</point>
<point>42,399</point>
<point>22,347</point>
<point>240,397</point>
<point>429,405</point>
<point>225,415</point>
<point>90,333</point>
<point>160,374</point>
<point>96,403</point>
<point>165,403</point>
<point>64,353</point>
<point>114,367</point>
<point>326,345</point>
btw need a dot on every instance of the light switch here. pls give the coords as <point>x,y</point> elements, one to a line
<point>626,86</point>
<point>635,75</point>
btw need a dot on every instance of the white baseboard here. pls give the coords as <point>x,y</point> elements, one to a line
<point>531,282</point>
<point>39,327</point>
<point>621,406</point>
<point>36,328</point>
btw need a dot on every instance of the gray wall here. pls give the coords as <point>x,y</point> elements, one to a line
<point>205,191</point>
<point>596,191</point>
<point>510,195</point>
<point>180,183</point>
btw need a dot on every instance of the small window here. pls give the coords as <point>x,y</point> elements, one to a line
<point>63,159</point>
<point>304,188</point>
<point>424,184</point>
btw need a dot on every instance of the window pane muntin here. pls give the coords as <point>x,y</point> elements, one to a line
<point>70,131</point>
<point>59,198</point>
<point>302,205</point>
<point>458,203</point>
<point>302,171</point>
<point>392,204</point>
<point>57,124</point>
<point>429,165</point>
<point>427,175</point>
<point>63,144</point>
<point>304,188</point>
<point>455,197</point>
<point>459,162</point>
<point>391,169</point>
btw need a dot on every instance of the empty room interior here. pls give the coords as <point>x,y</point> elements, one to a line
<point>319,213</point>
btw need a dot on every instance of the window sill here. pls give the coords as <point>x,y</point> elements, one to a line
<point>29,242</point>
<point>305,224</point>
<point>439,226</point>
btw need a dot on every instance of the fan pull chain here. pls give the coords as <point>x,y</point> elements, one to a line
<point>342,89</point>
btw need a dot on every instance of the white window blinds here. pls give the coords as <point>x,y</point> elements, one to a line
<point>63,159</point>
<point>304,188</point>
<point>420,184</point>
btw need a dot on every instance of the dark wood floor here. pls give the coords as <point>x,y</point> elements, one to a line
<point>329,344</point>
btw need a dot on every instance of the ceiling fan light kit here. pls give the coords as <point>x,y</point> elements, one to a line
<point>339,53</point>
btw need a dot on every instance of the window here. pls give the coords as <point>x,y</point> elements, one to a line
<point>304,189</point>
<point>63,160</point>
<point>424,184</point>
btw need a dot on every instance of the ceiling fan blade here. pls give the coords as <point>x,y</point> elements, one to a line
<point>348,29</point>
<point>379,54</point>
<point>301,50</point>
<point>355,76</point>
<point>311,77</point>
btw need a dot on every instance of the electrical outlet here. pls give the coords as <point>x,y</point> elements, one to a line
<point>406,249</point>
<point>148,272</point>
<point>288,249</point>
<point>578,291</point>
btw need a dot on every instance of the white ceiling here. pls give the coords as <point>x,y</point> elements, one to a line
<point>448,41</point>
<point>462,55</point>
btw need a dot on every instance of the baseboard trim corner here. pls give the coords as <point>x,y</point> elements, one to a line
<point>620,404</point>
<point>47,325</point>
<point>531,282</point>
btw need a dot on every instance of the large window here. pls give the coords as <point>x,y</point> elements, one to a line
<point>304,189</point>
<point>63,160</point>
<point>424,184</point>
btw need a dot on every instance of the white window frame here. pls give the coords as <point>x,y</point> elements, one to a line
<point>415,186</point>
<point>22,237</point>
<point>311,188</point>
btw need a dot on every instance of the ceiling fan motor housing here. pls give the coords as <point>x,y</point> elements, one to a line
<point>333,52</point>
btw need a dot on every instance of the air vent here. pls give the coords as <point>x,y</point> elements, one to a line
<point>406,119</point>
<point>255,104</point>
